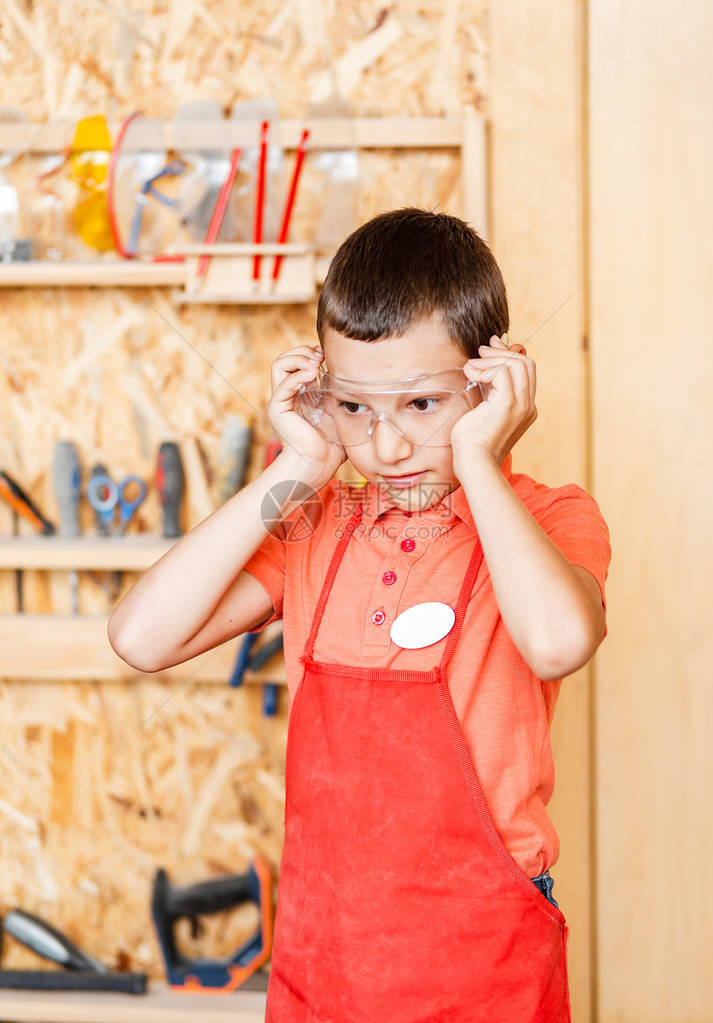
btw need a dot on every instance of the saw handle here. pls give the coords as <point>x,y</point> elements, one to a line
<point>204,897</point>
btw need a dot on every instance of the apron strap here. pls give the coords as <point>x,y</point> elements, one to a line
<point>329,580</point>
<point>462,605</point>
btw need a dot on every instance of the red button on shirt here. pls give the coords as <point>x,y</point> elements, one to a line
<point>388,578</point>
<point>378,618</point>
<point>407,545</point>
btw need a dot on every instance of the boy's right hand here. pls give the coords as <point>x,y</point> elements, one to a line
<point>299,438</point>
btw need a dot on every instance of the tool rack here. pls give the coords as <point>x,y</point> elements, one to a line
<point>75,646</point>
<point>302,268</point>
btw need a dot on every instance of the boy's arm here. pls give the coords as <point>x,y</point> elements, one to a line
<point>197,595</point>
<point>552,609</point>
<point>595,594</point>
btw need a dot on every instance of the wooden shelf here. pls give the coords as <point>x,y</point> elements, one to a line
<point>57,648</point>
<point>76,646</point>
<point>125,553</point>
<point>114,272</point>
<point>325,133</point>
<point>90,273</point>
<point>160,1004</point>
<point>111,273</point>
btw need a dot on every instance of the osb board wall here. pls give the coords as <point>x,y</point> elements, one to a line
<point>102,782</point>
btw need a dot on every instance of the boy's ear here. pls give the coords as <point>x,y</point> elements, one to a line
<point>515,347</point>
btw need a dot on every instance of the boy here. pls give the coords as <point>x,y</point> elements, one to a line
<point>429,620</point>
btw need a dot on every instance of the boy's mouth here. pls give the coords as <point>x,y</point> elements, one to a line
<point>405,480</point>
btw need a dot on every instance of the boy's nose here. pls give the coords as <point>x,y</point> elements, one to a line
<point>389,445</point>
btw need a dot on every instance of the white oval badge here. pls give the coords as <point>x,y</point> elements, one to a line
<point>422,625</point>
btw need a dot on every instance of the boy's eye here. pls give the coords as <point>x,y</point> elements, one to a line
<point>418,402</point>
<point>352,407</point>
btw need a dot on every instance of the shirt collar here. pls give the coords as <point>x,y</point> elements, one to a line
<point>376,502</point>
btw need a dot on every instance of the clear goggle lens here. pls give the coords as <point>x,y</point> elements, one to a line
<point>422,409</point>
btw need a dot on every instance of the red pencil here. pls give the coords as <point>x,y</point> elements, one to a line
<point>299,159</point>
<point>260,198</point>
<point>219,212</point>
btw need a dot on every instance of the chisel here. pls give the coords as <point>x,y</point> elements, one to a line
<point>67,488</point>
<point>81,972</point>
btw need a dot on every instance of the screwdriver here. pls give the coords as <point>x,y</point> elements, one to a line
<point>67,488</point>
<point>22,505</point>
<point>235,445</point>
<point>169,482</point>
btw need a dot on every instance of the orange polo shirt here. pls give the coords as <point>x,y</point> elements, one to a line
<point>504,709</point>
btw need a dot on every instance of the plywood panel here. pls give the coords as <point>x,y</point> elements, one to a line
<point>652,362</point>
<point>536,218</point>
<point>100,779</point>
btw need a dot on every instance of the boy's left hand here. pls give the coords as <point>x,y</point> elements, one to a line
<point>498,422</point>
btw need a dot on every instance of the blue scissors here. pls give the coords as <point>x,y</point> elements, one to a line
<point>172,168</point>
<point>104,495</point>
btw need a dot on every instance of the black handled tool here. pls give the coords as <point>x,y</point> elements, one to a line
<point>169,481</point>
<point>81,972</point>
<point>171,903</point>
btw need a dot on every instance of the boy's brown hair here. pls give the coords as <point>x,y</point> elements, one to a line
<point>404,265</point>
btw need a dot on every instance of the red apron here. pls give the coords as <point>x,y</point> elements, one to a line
<point>398,901</point>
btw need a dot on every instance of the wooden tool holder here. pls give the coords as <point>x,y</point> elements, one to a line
<point>228,278</point>
<point>76,646</point>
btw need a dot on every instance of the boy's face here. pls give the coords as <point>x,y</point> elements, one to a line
<point>424,348</point>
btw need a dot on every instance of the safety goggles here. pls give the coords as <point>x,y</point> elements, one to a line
<point>421,409</point>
